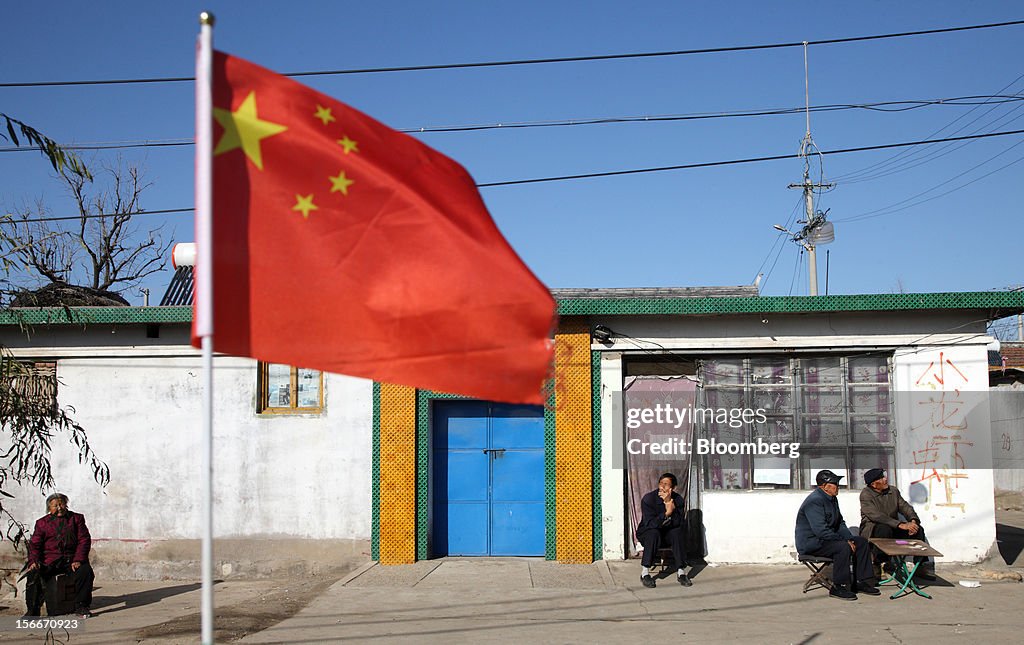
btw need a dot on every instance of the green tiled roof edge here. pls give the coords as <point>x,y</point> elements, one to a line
<point>1012,301</point>
<point>93,315</point>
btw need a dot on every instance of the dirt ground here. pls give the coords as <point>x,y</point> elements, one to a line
<point>282,599</point>
<point>169,612</point>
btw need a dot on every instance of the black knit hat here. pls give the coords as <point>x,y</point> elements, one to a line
<point>873,475</point>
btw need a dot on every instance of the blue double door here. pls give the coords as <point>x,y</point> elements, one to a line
<point>488,469</point>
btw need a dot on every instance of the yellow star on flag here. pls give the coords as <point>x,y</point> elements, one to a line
<point>341,183</point>
<point>349,145</point>
<point>244,129</point>
<point>304,204</point>
<point>324,114</point>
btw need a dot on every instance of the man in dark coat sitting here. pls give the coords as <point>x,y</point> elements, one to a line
<point>821,530</point>
<point>880,508</point>
<point>662,524</point>
<point>60,544</point>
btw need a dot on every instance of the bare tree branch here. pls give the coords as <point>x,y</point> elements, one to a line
<point>102,249</point>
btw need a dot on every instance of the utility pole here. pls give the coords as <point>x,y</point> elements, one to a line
<point>813,220</point>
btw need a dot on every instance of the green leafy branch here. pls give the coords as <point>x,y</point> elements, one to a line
<point>58,156</point>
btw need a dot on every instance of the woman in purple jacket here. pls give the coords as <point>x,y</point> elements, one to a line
<point>60,543</point>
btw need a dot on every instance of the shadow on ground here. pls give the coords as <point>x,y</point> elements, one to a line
<point>234,622</point>
<point>1011,542</point>
<point>102,603</point>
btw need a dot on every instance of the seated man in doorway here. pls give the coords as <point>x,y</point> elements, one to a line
<point>662,524</point>
<point>880,507</point>
<point>60,543</point>
<point>821,530</point>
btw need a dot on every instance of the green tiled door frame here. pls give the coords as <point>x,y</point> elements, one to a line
<point>375,478</point>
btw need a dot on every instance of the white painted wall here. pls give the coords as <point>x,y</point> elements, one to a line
<point>613,501</point>
<point>1007,410</point>
<point>275,476</point>
<point>954,465</point>
<point>760,526</point>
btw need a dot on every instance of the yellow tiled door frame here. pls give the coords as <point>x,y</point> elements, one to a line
<point>574,480</point>
<point>398,430</point>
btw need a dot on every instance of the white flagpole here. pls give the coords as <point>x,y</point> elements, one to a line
<point>204,295</point>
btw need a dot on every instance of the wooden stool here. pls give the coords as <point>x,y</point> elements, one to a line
<point>816,564</point>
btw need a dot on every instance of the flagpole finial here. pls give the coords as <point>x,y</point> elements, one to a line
<point>206,18</point>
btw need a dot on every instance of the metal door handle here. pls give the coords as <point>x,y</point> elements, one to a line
<point>496,451</point>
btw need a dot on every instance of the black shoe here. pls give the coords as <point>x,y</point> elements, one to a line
<point>685,580</point>
<point>31,614</point>
<point>841,592</point>
<point>868,587</point>
<point>83,612</point>
<point>648,581</point>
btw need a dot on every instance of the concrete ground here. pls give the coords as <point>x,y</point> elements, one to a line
<point>528,600</point>
<point>522,600</point>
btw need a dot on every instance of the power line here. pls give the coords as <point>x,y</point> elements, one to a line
<point>857,174</point>
<point>892,208</point>
<point>796,270</point>
<point>710,164</point>
<point>103,145</point>
<point>909,162</point>
<point>779,238</point>
<point>164,211</point>
<point>612,173</point>
<point>539,61</point>
<point>883,106</point>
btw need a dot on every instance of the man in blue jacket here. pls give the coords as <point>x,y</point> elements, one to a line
<point>820,530</point>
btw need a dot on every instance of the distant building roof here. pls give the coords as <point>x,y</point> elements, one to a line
<point>1013,354</point>
<point>745,291</point>
<point>179,291</point>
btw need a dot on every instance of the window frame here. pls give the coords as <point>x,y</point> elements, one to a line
<point>263,406</point>
<point>798,388</point>
<point>34,379</point>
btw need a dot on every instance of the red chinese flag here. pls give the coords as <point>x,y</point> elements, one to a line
<point>342,245</point>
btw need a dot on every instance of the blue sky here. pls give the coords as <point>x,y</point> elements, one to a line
<point>708,226</point>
